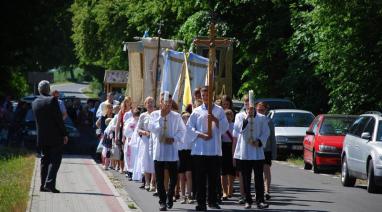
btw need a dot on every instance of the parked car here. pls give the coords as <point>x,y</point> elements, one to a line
<point>274,103</point>
<point>29,134</point>
<point>237,105</point>
<point>362,153</point>
<point>323,141</point>
<point>277,103</point>
<point>290,128</point>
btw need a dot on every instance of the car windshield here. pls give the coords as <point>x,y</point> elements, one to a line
<point>336,125</point>
<point>379,133</point>
<point>292,119</point>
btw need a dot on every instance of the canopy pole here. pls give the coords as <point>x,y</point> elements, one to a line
<point>211,67</point>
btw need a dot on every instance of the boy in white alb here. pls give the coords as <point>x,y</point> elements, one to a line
<point>167,129</point>
<point>206,150</point>
<point>252,132</point>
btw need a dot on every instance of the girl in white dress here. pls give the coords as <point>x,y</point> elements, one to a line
<point>130,147</point>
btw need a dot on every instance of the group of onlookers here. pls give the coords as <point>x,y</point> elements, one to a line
<point>175,154</point>
<point>14,115</point>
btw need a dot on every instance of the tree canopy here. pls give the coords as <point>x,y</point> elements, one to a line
<point>35,36</point>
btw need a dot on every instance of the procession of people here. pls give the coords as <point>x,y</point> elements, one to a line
<point>173,154</point>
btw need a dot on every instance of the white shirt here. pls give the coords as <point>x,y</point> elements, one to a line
<point>198,123</point>
<point>126,118</point>
<point>186,145</point>
<point>127,115</point>
<point>175,129</point>
<point>110,127</point>
<point>143,123</point>
<point>129,127</point>
<point>113,122</point>
<point>244,150</point>
<point>227,138</point>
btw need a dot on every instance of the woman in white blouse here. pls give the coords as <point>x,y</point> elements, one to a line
<point>146,141</point>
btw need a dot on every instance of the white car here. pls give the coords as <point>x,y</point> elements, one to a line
<point>362,153</point>
<point>290,129</point>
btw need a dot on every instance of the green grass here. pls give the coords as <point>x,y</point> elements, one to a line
<point>296,160</point>
<point>60,76</point>
<point>131,206</point>
<point>93,89</point>
<point>16,169</point>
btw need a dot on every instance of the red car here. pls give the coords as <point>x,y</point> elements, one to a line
<point>323,141</point>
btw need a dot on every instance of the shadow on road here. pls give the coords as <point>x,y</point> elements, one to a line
<point>283,196</point>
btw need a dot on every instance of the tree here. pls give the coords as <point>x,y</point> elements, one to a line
<point>349,43</point>
<point>100,26</point>
<point>35,36</point>
<point>301,83</point>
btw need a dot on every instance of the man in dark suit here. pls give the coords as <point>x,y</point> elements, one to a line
<point>51,135</point>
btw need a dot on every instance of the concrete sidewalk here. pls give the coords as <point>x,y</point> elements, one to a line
<point>83,185</point>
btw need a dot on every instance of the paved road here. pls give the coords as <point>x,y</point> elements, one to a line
<point>294,189</point>
<point>71,89</point>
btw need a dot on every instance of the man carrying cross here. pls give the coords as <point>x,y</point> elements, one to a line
<point>206,149</point>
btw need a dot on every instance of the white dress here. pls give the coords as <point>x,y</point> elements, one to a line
<point>146,142</point>
<point>130,150</point>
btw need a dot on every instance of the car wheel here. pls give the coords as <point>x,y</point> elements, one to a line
<point>315,167</point>
<point>307,166</point>
<point>346,179</point>
<point>371,187</point>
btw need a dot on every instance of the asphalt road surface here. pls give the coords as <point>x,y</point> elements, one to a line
<point>70,89</point>
<point>293,189</point>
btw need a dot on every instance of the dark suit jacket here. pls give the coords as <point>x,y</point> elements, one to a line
<point>49,124</point>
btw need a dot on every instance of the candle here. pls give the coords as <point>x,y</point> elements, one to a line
<point>166,96</point>
<point>251,98</point>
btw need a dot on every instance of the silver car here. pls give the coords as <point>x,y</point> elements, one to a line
<point>362,153</point>
<point>290,129</point>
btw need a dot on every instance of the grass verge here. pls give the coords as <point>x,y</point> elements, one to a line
<point>93,90</point>
<point>296,160</point>
<point>16,169</point>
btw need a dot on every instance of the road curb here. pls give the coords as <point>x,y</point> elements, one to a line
<point>118,196</point>
<point>32,186</point>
